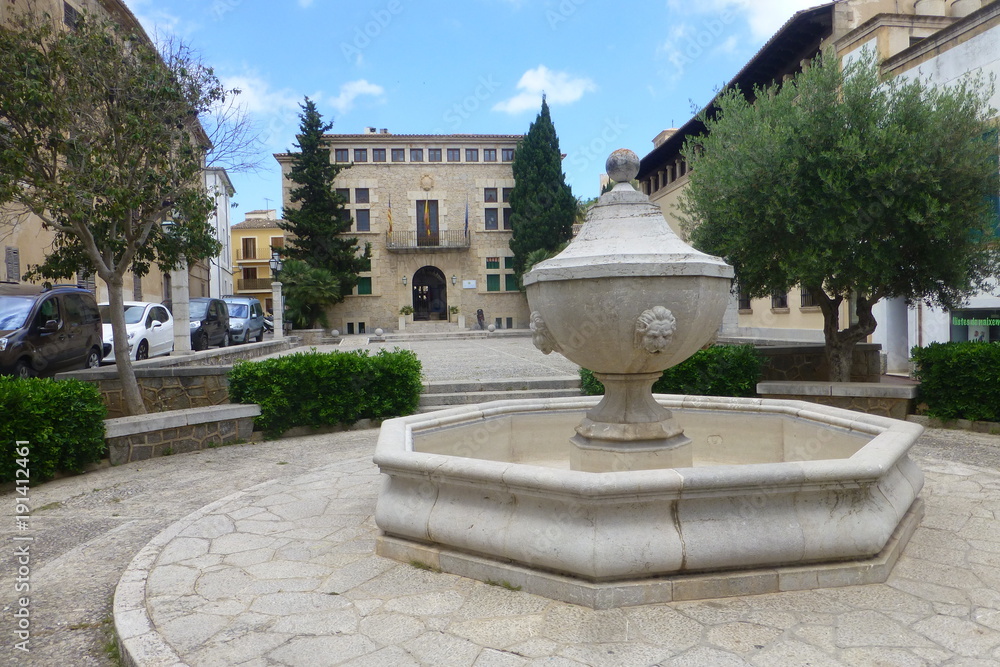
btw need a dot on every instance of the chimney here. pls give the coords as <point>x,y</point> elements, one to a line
<point>370,130</point>
<point>663,136</point>
<point>384,130</point>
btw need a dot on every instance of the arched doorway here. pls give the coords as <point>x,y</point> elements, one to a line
<point>430,294</point>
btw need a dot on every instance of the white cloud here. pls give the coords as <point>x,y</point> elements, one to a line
<point>275,112</point>
<point>764,18</point>
<point>159,23</point>
<point>558,88</point>
<point>352,90</point>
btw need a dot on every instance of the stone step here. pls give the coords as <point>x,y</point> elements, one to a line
<point>455,334</point>
<point>569,382</point>
<point>440,401</point>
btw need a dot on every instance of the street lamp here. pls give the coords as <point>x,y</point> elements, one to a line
<point>277,306</point>
<point>179,294</point>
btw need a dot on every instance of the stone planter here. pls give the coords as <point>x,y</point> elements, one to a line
<point>960,8</point>
<point>309,336</point>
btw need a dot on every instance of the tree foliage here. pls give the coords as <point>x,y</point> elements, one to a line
<point>307,291</point>
<point>100,138</point>
<point>542,205</point>
<point>319,223</point>
<point>852,187</point>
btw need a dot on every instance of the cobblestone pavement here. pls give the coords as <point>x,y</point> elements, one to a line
<point>269,560</point>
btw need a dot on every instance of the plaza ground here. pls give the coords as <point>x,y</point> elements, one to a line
<point>281,571</point>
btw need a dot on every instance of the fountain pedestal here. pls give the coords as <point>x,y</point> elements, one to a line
<point>629,430</point>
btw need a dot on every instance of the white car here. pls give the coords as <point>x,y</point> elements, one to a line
<point>150,330</point>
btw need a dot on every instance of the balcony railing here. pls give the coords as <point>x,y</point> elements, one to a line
<point>254,284</point>
<point>252,253</point>
<point>450,239</point>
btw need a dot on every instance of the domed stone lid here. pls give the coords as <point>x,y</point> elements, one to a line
<point>626,235</point>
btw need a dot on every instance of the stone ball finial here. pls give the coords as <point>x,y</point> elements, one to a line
<point>622,165</point>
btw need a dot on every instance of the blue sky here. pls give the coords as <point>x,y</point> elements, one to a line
<point>614,74</point>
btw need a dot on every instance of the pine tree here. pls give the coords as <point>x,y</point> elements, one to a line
<point>320,220</point>
<point>543,207</point>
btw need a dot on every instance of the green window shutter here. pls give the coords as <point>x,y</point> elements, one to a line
<point>508,262</point>
<point>492,262</point>
<point>510,282</point>
<point>364,285</point>
<point>492,282</point>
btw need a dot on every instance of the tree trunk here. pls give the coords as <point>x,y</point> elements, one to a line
<point>840,343</point>
<point>131,396</point>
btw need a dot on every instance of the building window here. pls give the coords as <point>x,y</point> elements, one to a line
<point>433,154</point>
<point>345,194</point>
<point>507,224</point>
<point>489,155</point>
<point>507,154</point>
<point>360,195</point>
<point>340,155</point>
<point>416,155</point>
<point>744,299</point>
<point>361,155</point>
<point>88,281</point>
<point>492,218</point>
<point>506,194</point>
<point>362,217</point>
<point>378,155</point>
<point>492,282</point>
<point>807,300</point>
<point>137,287</point>
<point>472,155</point>
<point>490,195</point>
<point>364,286</point>
<point>250,273</point>
<point>70,15</point>
<point>399,155</point>
<point>779,300</point>
<point>12,260</point>
<point>454,155</point>
<point>249,247</point>
<point>508,263</point>
<point>510,282</point>
<point>492,263</point>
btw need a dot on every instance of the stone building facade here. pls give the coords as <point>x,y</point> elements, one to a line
<point>435,209</point>
<point>253,242</point>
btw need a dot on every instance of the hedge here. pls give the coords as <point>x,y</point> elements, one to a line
<point>959,380</point>
<point>722,370</point>
<point>62,421</point>
<point>327,388</point>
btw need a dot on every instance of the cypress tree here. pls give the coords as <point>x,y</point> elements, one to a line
<point>320,220</point>
<point>542,205</point>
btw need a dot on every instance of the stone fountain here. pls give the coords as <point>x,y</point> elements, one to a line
<point>636,498</point>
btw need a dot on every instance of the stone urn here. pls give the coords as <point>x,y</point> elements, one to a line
<point>627,299</point>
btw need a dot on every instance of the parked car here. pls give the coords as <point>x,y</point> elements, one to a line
<point>246,319</point>
<point>45,332</point>
<point>150,329</point>
<point>209,323</point>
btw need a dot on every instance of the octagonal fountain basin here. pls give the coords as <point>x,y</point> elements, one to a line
<point>783,495</point>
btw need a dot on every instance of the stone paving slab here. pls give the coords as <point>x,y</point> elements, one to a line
<point>284,573</point>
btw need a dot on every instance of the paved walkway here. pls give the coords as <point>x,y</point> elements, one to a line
<point>261,554</point>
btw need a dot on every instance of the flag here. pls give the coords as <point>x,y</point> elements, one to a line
<point>389,214</point>
<point>466,217</point>
<point>427,217</point>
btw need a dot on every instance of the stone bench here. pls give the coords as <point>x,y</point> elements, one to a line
<point>159,434</point>
<point>874,398</point>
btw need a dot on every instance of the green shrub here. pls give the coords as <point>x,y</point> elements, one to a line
<point>723,370</point>
<point>323,389</point>
<point>959,380</point>
<point>63,422</point>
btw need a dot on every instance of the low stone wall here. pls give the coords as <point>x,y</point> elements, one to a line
<point>808,363</point>
<point>177,382</point>
<point>163,389</point>
<point>885,400</point>
<point>148,436</point>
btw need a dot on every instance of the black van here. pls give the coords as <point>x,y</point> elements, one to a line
<point>46,332</point>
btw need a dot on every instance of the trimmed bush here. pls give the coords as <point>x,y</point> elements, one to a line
<point>63,422</point>
<point>722,370</point>
<point>327,388</point>
<point>959,380</point>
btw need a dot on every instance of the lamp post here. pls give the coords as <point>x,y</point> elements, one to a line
<point>179,295</point>
<point>277,307</point>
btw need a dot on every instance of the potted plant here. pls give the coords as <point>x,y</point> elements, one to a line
<point>454,311</point>
<point>404,316</point>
